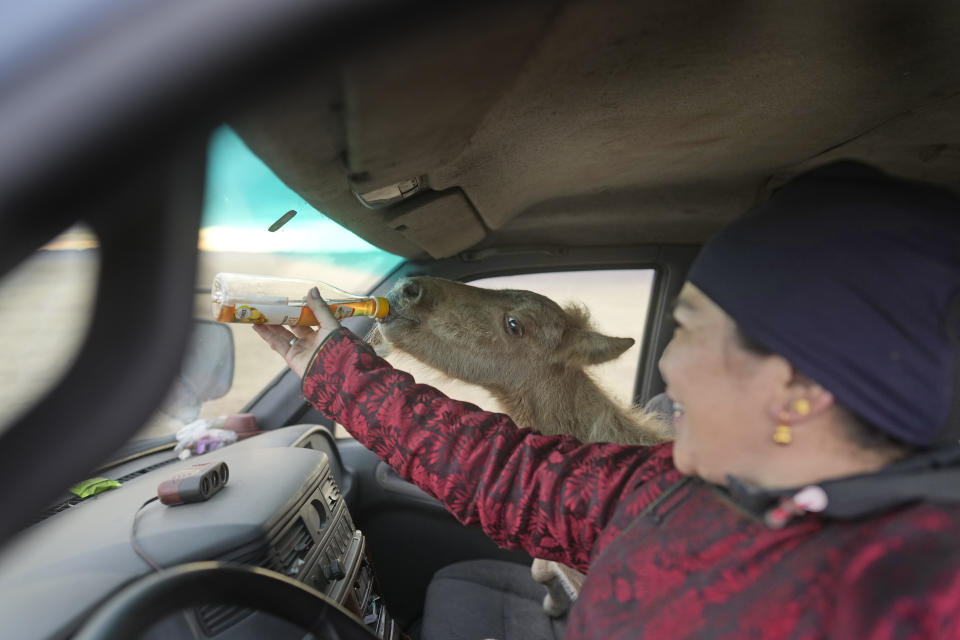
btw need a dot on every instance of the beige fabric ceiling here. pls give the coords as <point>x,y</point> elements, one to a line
<point>606,123</point>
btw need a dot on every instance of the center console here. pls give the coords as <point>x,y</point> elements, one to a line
<point>322,548</point>
<point>318,544</point>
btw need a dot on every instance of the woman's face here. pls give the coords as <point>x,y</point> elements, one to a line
<point>723,422</point>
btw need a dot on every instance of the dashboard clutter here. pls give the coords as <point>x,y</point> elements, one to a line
<point>244,424</point>
<point>203,436</point>
<point>93,486</point>
<point>194,484</point>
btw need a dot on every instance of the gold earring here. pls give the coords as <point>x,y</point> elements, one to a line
<point>783,435</point>
<point>802,406</point>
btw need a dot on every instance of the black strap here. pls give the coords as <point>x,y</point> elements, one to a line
<point>863,497</point>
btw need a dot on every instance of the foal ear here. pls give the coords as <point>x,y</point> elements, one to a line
<point>585,347</point>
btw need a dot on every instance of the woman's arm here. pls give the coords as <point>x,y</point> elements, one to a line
<point>550,496</point>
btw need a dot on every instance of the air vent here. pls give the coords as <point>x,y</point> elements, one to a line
<point>216,619</point>
<point>286,555</point>
<point>73,501</point>
<point>145,470</point>
<point>290,550</point>
<point>258,557</point>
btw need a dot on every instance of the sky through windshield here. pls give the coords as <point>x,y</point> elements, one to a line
<point>244,197</point>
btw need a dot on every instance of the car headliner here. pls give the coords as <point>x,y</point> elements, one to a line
<point>611,123</point>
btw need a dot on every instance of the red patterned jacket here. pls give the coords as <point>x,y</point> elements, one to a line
<point>668,556</point>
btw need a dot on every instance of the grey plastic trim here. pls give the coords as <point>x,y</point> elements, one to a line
<point>390,481</point>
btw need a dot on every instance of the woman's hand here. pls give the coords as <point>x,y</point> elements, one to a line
<point>297,344</point>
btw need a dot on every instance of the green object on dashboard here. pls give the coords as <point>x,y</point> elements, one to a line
<point>93,486</point>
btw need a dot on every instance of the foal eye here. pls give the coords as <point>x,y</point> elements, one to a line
<point>512,326</point>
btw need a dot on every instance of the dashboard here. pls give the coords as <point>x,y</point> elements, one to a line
<point>282,509</point>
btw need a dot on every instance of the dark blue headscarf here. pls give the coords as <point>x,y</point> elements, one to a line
<point>854,277</point>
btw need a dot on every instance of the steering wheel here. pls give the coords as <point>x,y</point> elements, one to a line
<point>138,606</point>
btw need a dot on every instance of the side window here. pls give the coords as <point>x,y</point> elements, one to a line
<point>617,300</point>
<point>47,306</point>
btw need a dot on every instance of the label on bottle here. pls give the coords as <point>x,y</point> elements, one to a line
<point>342,311</point>
<point>349,309</point>
<point>267,314</point>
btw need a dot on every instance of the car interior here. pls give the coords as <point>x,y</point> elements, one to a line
<point>472,142</point>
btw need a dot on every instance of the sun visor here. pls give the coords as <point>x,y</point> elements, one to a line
<point>442,223</point>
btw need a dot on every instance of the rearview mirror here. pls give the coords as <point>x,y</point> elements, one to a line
<point>207,371</point>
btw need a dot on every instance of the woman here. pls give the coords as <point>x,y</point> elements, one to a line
<point>813,489</point>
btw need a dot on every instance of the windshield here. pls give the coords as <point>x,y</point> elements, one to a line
<point>48,300</point>
<point>243,200</point>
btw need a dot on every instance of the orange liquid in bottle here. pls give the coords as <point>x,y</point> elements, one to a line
<point>248,314</point>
